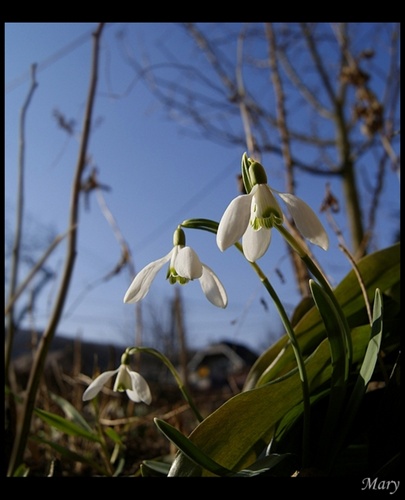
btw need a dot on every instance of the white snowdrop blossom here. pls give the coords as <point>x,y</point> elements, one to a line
<point>252,216</point>
<point>184,266</point>
<point>131,382</point>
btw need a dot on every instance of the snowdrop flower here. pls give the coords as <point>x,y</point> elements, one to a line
<point>129,381</point>
<point>184,266</point>
<point>252,216</point>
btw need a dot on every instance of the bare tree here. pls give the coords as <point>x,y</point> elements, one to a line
<point>311,98</point>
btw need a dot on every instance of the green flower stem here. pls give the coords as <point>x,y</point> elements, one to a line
<point>183,389</point>
<point>297,352</point>
<point>105,453</point>
<point>318,274</point>
<point>212,226</point>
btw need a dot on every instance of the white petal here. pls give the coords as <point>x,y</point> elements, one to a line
<point>234,221</point>
<point>95,387</point>
<point>123,380</point>
<point>213,288</point>
<point>187,264</point>
<point>255,243</point>
<point>143,280</point>
<point>306,220</point>
<point>264,200</point>
<point>140,389</point>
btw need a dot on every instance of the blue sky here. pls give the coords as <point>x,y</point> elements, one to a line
<point>158,177</point>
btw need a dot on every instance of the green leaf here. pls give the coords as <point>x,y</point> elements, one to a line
<point>66,426</point>
<point>70,455</point>
<point>274,465</point>
<point>373,348</point>
<point>336,333</point>
<point>288,430</point>
<point>340,359</point>
<point>236,433</point>
<point>70,412</point>
<point>113,435</point>
<point>21,471</point>
<point>190,450</point>
<point>367,368</point>
<point>155,468</point>
<point>378,270</point>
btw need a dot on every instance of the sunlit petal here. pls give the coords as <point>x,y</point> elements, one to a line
<point>213,288</point>
<point>140,389</point>
<point>187,264</point>
<point>143,280</point>
<point>234,221</point>
<point>95,387</point>
<point>255,243</point>
<point>306,220</point>
<point>265,205</point>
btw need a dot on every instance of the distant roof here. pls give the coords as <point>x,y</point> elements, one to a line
<point>238,355</point>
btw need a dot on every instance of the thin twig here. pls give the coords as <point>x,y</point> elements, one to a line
<point>34,271</point>
<point>359,279</point>
<point>40,357</point>
<point>127,257</point>
<point>19,223</point>
<point>244,110</point>
<point>301,272</point>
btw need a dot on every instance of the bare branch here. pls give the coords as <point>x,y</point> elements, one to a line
<point>252,145</point>
<point>301,272</point>
<point>15,261</point>
<point>46,339</point>
<point>304,89</point>
<point>308,36</point>
<point>34,271</point>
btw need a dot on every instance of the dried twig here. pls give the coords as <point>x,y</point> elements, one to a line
<point>46,339</point>
<point>19,223</point>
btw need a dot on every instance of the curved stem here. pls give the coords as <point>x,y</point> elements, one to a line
<point>297,352</point>
<point>318,274</point>
<point>173,371</point>
<point>212,226</point>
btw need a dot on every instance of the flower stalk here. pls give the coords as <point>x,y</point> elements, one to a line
<point>318,274</point>
<point>173,371</point>
<point>212,226</point>
<point>297,353</point>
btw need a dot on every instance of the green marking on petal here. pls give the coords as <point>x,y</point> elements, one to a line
<point>270,218</point>
<point>173,277</point>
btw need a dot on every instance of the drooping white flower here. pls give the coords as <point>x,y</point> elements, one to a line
<point>184,266</point>
<point>127,380</point>
<point>252,216</point>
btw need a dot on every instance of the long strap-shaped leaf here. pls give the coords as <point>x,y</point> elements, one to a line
<point>365,374</point>
<point>340,359</point>
<point>378,270</point>
<point>200,459</point>
<point>66,426</point>
<point>235,433</point>
<point>190,450</point>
